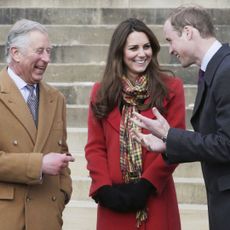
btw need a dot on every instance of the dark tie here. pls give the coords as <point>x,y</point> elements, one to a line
<point>201,76</point>
<point>32,103</point>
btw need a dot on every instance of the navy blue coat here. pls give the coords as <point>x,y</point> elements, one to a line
<point>210,141</point>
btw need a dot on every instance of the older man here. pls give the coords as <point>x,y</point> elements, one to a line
<point>35,181</point>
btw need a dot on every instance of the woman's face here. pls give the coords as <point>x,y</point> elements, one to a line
<point>137,54</point>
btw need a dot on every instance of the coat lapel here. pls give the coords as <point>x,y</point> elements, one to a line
<point>47,108</point>
<point>114,119</point>
<point>14,101</point>
<point>208,77</point>
<point>199,96</point>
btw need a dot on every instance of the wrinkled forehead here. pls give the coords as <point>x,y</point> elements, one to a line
<point>38,38</point>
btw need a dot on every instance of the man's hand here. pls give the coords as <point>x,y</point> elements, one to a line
<point>53,163</point>
<point>150,142</point>
<point>159,127</point>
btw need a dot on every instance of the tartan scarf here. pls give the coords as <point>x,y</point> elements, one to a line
<point>131,151</point>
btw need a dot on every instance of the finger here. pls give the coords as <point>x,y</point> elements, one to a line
<point>68,158</point>
<point>144,144</point>
<point>148,147</point>
<point>140,137</point>
<point>135,135</point>
<point>140,120</point>
<point>139,116</point>
<point>71,159</point>
<point>158,115</point>
<point>137,122</point>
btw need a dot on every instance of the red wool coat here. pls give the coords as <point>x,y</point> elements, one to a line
<point>103,156</point>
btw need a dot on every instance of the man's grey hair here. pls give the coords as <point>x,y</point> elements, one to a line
<point>18,35</point>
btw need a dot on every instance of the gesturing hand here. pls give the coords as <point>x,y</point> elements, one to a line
<point>53,163</point>
<point>150,142</point>
<point>159,127</point>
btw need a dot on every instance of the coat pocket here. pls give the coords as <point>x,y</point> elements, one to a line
<point>224,183</point>
<point>6,192</point>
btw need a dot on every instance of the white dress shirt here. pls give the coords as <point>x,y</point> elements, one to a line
<point>210,53</point>
<point>21,84</point>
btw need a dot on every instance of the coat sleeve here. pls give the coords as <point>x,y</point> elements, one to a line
<point>95,150</point>
<point>20,168</point>
<point>159,171</point>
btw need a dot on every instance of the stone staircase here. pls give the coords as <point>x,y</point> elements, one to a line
<point>80,31</point>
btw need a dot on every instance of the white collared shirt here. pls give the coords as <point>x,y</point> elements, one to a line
<point>20,83</point>
<point>210,53</point>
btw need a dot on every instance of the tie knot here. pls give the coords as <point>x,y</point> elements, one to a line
<point>30,87</point>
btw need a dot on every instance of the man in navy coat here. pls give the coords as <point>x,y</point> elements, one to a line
<point>191,37</point>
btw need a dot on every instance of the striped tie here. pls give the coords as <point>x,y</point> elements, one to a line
<point>32,103</point>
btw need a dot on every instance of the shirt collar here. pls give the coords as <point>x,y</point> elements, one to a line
<point>210,53</point>
<point>20,83</point>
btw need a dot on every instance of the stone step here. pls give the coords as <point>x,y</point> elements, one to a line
<point>78,168</point>
<point>92,72</point>
<point>76,139</point>
<point>77,116</point>
<point>189,170</point>
<point>90,54</point>
<point>78,93</point>
<point>193,217</point>
<point>82,215</point>
<point>84,34</point>
<point>109,3</point>
<point>189,111</point>
<point>99,34</point>
<point>189,190</point>
<point>98,16</point>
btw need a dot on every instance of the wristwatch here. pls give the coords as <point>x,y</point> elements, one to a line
<point>164,139</point>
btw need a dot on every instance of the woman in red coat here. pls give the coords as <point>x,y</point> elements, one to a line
<point>134,188</point>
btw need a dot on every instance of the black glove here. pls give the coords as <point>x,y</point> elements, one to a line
<point>110,197</point>
<point>138,192</point>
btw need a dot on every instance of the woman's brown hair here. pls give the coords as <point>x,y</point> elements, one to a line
<point>109,94</point>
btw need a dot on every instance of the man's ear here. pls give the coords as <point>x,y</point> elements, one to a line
<point>188,32</point>
<point>15,54</point>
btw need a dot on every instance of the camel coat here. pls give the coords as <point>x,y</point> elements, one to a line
<point>29,200</point>
<point>103,156</point>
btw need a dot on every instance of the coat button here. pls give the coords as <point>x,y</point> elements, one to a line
<point>60,142</point>
<point>15,142</point>
<point>54,198</point>
<point>28,199</point>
